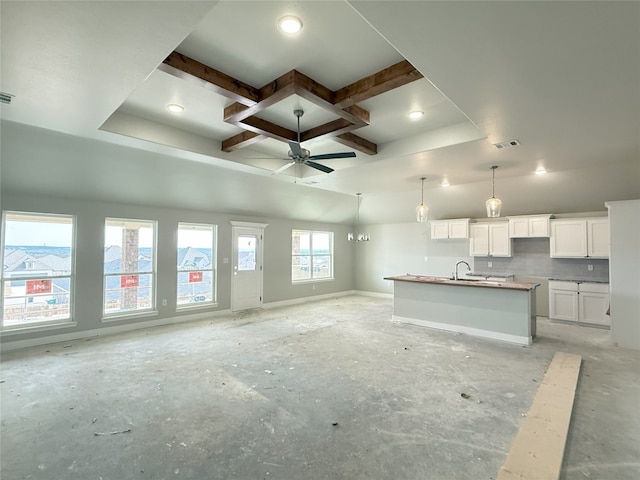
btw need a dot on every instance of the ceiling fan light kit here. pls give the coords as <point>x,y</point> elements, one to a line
<point>358,236</point>
<point>300,155</point>
<point>422,210</point>
<point>493,204</point>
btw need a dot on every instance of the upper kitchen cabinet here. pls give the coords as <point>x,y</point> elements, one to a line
<point>527,226</point>
<point>489,239</point>
<point>579,238</point>
<point>455,228</point>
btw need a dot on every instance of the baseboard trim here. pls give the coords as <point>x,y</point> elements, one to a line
<point>476,332</point>
<point>373,294</point>
<point>111,330</point>
<point>313,298</point>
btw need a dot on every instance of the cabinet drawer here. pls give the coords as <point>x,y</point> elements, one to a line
<point>594,287</point>
<point>559,285</point>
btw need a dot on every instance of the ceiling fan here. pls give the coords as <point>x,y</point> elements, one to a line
<point>299,155</point>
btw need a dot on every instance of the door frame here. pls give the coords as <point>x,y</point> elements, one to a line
<point>235,228</point>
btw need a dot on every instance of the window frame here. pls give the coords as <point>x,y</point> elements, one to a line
<point>311,255</point>
<point>213,269</point>
<point>71,276</point>
<point>120,314</point>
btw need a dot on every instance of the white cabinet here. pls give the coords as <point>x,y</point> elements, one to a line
<point>455,228</point>
<point>526,226</point>
<point>489,239</point>
<point>581,302</point>
<point>563,301</point>
<point>593,303</point>
<point>579,238</point>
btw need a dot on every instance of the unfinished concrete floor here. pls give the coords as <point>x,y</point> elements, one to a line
<point>326,390</point>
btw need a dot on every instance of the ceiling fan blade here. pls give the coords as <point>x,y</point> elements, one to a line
<point>317,166</point>
<point>283,168</point>
<point>296,149</point>
<point>328,156</point>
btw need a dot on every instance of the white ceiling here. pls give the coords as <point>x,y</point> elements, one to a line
<point>563,78</point>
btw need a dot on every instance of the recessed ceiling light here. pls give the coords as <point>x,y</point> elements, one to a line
<point>175,108</point>
<point>290,24</point>
<point>416,114</point>
<point>540,171</point>
<point>445,183</point>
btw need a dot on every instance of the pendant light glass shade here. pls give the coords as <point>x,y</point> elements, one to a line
<point>422,211</point>
<point>493,204</point>
<point>357,236</point>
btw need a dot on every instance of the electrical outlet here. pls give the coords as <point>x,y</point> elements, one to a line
<point>164,302</point>
<point>590,267</point>
<point>426,259</point>
<point>490,264</point>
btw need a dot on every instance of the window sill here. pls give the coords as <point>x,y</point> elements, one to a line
<point>312,280</point>
<point>196,306</point>
<point>130,316</point>
<point>41,327</point>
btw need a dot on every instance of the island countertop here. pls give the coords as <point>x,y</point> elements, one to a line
<point>464,282</point>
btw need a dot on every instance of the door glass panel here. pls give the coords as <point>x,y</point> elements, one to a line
<point>246,260</point>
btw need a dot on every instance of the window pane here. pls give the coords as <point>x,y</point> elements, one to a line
<point>196,264</point>
<point>247,252</point>
<point>129,266</point>
<point>300,268</point>
<point>321,266</point>
<point>321,244</point>
<point>37,268</point>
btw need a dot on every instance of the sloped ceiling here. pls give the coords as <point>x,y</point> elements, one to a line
<point>560,77</point>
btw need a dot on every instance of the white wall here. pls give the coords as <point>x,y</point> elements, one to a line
<point>397,249</point>
<point>624,275</point>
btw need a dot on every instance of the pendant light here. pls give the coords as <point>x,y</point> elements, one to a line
<point>358,237</point>
<point>493,204</point>
<point>422,210</point>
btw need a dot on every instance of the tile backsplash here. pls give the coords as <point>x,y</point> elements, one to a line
<point>531,257</point>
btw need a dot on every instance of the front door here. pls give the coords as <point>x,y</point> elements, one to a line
<point>246,282</point>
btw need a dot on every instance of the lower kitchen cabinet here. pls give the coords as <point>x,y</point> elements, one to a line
<point>581,302</point>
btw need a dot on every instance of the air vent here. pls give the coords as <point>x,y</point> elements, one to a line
<point>510,143</point>
<point>6,97</point>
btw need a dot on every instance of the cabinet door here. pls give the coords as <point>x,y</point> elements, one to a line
<point>563,304</point>
<point>593,308</point>
<point>440,229</point>
<point>539,226</point>
<point>518,227</point>
<point>499,240</point>
<point>568,238</point>
<point>598,237</point>
<point>458,228</point>
<point>479,240</point>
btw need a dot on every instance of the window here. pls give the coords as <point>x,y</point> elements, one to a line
<point>129,266</point>
<point>38,269</point>
<point>196,264</point>
<point>311,255</point>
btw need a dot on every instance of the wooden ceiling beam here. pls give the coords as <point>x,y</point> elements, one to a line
<point>187,68</point>
<point>357,143</point>
<point>241,140</point>
<point>250,100</point>
<point>380,82</point>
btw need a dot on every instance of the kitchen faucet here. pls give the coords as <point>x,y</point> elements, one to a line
<point>455,275</point>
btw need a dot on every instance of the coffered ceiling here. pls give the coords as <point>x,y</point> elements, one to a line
<point>562,78</point>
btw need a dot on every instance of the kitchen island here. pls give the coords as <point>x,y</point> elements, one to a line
<point>503,311</point>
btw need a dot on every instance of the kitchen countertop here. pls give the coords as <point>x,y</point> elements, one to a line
<point>463,283</point>
<point>577,281</point>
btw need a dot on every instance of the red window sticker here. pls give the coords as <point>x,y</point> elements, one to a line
<point>129,281</point>
<point>195,277</point>
<point>38,286</point>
